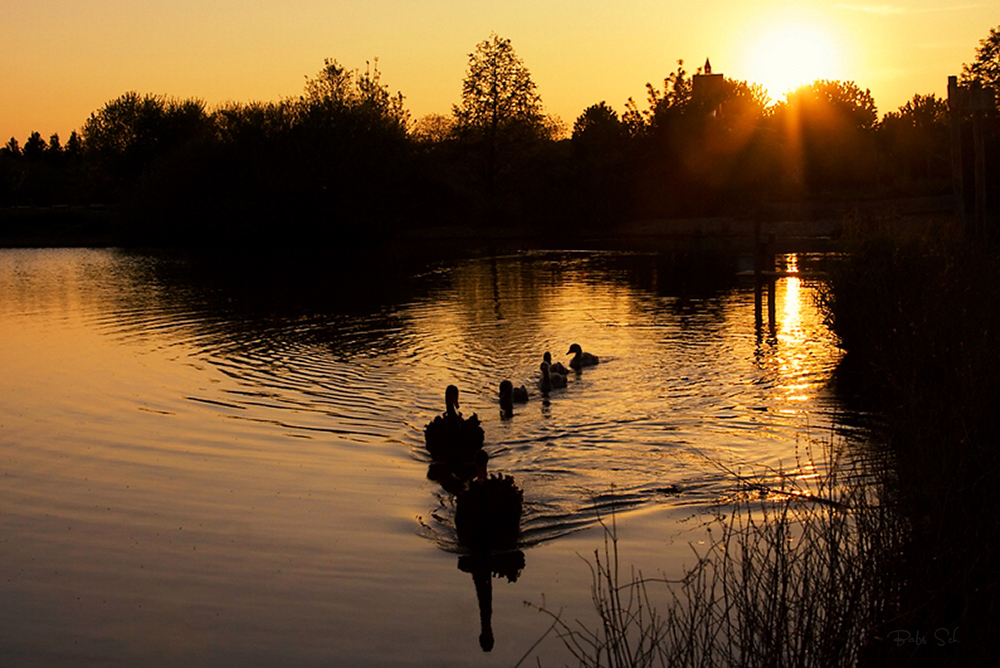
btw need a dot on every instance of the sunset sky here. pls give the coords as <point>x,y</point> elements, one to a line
<point>60,60</point>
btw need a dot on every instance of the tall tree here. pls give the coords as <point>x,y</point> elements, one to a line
<point>600,170</point>
<point>433,128</point>
<point>500,108</point>
<point>127,136</point>
<point>12,148</point>
<point>35,147</point>
<point>915,137</point>
<point>827,130</point>
<point>986,66</point>
<point>361,93</point>
<point>598,120</point>
<point>74,145</point>
<point>349,148</point>
<point>664,105</point>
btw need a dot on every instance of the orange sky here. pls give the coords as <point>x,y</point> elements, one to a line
<point>60,60</point>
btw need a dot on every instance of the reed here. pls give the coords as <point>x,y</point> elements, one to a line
<point>799,575</point>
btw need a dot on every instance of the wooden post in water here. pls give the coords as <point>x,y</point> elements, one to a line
<point>772,320</point>
<point>758,267</point>
<point>764,270</point>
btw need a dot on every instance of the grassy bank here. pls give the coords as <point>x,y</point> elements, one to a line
<point>919,318</point>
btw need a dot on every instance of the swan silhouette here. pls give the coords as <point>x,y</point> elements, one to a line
<point>451,438</point>
<point>510,395</point>
<point>550,381</point>
<point>488,514</point>
<point>556,367</point>
<point>581,359</point>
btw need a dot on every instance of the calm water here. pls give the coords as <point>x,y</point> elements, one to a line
<point>209,465</point>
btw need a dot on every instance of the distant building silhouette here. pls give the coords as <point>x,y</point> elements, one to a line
<point>708,89</point>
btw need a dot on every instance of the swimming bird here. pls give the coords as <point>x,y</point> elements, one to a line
<point>581,359</point>
<point>510,395</point>
<point>557,367</point>
<point>488,514</point>
<point>550,381</point>
<point>451,438</point>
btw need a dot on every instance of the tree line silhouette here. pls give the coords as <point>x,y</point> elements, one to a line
<point>345,162</point>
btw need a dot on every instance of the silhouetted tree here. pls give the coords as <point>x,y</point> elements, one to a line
<point>12,147</point>
<point>501,114</point>
<point>11,172</point>
<point>662,105</point>
<point>35,175</point>
<point>601,183</point>
<point>915,139</point>
<point>985,68</point>
<point>697,153</point>
<point>35,147</point>
<point>349,152</point>
<point>361,93</point>
<point>127,137</point>
<point>247,173</point>
<point>433,129</point>
<point>74,145</point>
<point>598,123</point>
<point>728,155</point>
<point>827,134</point>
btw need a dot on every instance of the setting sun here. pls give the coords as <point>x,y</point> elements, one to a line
<point>790,54</point>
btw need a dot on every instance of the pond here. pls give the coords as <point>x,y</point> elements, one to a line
<point>218,460</point>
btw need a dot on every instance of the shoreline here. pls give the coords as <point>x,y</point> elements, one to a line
<point>797,227</point>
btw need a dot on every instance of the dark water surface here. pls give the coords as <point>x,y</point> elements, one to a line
<point>204,464</point>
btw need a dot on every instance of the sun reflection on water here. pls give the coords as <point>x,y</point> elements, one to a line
<point>798,323</point>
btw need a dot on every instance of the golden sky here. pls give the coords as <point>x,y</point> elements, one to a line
<point>60,60</point>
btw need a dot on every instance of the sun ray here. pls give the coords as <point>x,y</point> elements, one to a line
<point>790,53</point>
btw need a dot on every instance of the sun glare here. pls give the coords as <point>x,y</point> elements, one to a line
<point>788,55</point>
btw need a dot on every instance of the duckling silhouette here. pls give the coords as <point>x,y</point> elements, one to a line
<point>488,514</point>
<point>581,359</point>
<point>451,438</point>
<point>556,367</point>
<point>510,395</point>
<point>550,381</point>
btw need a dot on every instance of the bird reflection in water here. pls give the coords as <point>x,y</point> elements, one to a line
<point>484,567</point>
<point>488,525</point>
<point>488,522</point>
